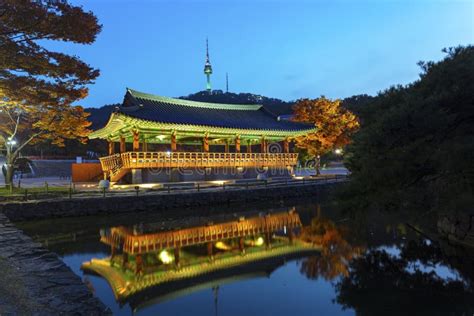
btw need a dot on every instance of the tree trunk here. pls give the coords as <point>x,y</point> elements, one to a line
<point>317,165</point>
<point>9,173</point>
<point>10,157</point>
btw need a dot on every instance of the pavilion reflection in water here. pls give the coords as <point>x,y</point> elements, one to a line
<point>149,266</point>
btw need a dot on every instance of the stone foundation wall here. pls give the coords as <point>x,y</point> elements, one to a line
<point>157,202</point>
<point>205,174</point>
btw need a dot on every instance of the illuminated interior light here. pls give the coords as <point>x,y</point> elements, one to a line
<point>165,257</point>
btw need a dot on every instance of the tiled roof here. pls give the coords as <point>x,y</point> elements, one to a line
<point>177,111</point>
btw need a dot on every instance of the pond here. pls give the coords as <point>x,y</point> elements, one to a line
<point>306,258</point>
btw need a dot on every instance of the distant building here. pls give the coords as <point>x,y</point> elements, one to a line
<point>208,69</point>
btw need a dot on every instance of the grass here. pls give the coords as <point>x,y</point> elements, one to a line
<point>4,191</point>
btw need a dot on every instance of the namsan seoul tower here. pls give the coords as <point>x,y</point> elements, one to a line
<point>208,69</point>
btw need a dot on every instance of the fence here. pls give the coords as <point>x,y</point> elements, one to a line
<point>75,191</point>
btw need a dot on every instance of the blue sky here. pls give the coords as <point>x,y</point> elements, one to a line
<point>284,49</point>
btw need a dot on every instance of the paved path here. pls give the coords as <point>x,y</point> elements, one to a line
<point>65,183</point>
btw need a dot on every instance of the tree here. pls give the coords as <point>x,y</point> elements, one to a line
<point>38,86</point>
<point>382,283</point>
<point>336,252</point>
<point>415,147</point>
<point>334,125</point>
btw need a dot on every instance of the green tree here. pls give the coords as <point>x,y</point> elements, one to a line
<point>38,86</point>
<point>380,283</point>
<point>415,147</point>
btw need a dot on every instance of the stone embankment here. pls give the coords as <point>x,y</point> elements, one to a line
<point>34,281</point>
<point>157,202</point>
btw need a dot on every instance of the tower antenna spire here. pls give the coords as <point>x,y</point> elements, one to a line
<point>208,68</point>
<point>226,82</point>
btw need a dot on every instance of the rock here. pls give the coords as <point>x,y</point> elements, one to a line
<point>104,184</point>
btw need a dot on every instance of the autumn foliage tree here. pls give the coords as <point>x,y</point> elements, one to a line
<point>334,126</point>
<point>37,85</point>
<point>336,252</point>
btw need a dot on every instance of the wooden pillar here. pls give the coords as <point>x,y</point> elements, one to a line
<point>241,245</point>
<point>205,144</point>
<point>237,144</point>
<point>111,147</point>
<point>139,263</point>
<point>176,256</point>
<point>209,250</point>
<point>226,146</point>
<point>286,146</point>
<point>136,141</point>
<point>144,145</point>
<point>112,252</point>
<point>268,240</point>
<point>263,145</point>
<point>291,235</point>
<point>249,146</point>
<point>124,259</point>
<point>122,144</point>
<point>174,145</point>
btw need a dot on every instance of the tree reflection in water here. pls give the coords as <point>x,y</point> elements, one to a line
<point>407,276</point>
<point>381,283</point>
<point>336,252</point>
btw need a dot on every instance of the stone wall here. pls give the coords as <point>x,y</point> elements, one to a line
<point>157,202</point>
<point>36,282</point>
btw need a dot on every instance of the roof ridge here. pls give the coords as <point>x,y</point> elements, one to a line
<point>184,102</point>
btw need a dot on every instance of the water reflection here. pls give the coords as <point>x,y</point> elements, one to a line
<point>336,252</point>
<point>145,264</point>
<point>416,279</point>
<point>307,259</point>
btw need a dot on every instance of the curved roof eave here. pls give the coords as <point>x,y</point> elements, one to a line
<point>119,120</point>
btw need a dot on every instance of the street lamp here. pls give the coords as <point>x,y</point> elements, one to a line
<point>11,142</point>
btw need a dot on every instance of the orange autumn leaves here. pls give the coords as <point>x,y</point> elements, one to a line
<point>38,86</point>
<point>336,251</point>
<point>335,124</point>
<point>60,124</point>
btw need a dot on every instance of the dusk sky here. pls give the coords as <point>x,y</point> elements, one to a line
<point>282,49</point>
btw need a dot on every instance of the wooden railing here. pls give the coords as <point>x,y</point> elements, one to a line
<point>121,238</point>
<point>111,164</point>
<point>131,160</point>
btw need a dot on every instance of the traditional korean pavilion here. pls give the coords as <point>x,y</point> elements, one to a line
<point>162,139</point>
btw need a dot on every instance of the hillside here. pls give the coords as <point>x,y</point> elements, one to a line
<point>276,106</point>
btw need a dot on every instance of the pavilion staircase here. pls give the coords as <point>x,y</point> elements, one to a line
<point>113,165</point>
